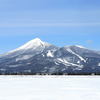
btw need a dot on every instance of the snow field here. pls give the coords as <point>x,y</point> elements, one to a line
<point>49,87</point>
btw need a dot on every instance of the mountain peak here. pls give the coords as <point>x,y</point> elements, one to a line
<point>37,39</point>
<point>32,44</point>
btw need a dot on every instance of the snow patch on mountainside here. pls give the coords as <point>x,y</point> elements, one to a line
<point>98,64</point>
<point>65,62</point>
<point>24,57</point>
<point>2,69</point>
<point>15,65</point>
<point>79,46</point>
<point>81,58</point>
<point>49,54</point>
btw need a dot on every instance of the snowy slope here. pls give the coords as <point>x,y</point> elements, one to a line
<point>33,45</point>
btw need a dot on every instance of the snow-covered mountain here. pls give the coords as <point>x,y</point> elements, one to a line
<point>37,56</point>
<point>34,46</point>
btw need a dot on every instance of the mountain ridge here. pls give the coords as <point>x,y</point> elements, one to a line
<point>37,56</point>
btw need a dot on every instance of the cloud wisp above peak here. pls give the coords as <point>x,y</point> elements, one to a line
<point>48,24</point>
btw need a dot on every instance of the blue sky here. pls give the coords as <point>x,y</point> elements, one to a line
<point>60,22</point>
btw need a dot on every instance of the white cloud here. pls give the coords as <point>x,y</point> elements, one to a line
<point>89,41</point>
<point>45,24</point>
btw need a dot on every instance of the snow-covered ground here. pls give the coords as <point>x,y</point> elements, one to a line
<point>49,87</point>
